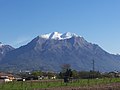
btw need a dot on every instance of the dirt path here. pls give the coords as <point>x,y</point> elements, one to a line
<point>114,86</point>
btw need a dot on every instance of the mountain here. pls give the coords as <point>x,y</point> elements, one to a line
<point>49,52</point>
<point>4,49</point>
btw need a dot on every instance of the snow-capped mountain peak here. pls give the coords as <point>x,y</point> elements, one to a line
<point>59,36</point>
<point>46,36</point>
<point>55,35</point>
<point>68,35</point>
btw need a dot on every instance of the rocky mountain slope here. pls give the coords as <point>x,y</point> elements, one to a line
<point>48,52</point>
<point>4,49</point>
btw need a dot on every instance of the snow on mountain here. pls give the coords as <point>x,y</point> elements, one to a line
<point>55,35</point>
<point>68,35</point>
<point>59,36</point>
<point>46,36</point>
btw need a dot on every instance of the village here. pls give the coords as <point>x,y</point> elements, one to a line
<point>39,75</point>
<point>24,76</point>
<point>27,80</point>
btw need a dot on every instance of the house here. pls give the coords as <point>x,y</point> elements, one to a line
<point>118,74</point>
<point>53,77</point>
<point>40,77</point>
<point>6,77</point>
<point>114,74</point>
<point>18,78</point>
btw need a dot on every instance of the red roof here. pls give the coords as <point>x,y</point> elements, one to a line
<point>5,74</point>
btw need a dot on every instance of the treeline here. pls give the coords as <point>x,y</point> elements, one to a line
<point>76,74</point>
<point>67,73</point>
<point>80,74</point>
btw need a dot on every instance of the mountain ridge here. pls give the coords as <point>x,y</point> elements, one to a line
<point>59,36</point>
<point>4,49</point>
<point>49,54</point>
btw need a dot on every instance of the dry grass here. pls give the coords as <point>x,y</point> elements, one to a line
<point>113,86</point>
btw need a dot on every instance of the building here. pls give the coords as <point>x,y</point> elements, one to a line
<point>6,77</point>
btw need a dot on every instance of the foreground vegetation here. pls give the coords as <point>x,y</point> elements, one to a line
<point>32,85</point>
<point>67,78</point>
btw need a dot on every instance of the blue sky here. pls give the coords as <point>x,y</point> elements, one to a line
<point>98,21</point>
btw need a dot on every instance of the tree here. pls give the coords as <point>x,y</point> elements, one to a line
<point>66,73</point>
<point>75,74</point>
<point>65,67</point>
<point>37,73</point>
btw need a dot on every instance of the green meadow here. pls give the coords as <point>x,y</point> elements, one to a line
<point>31,85</point>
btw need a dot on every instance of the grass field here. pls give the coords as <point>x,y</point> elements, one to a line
<point>32,85</point>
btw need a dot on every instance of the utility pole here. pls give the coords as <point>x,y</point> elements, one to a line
<point>93,69</point>
<point>93,65</point>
